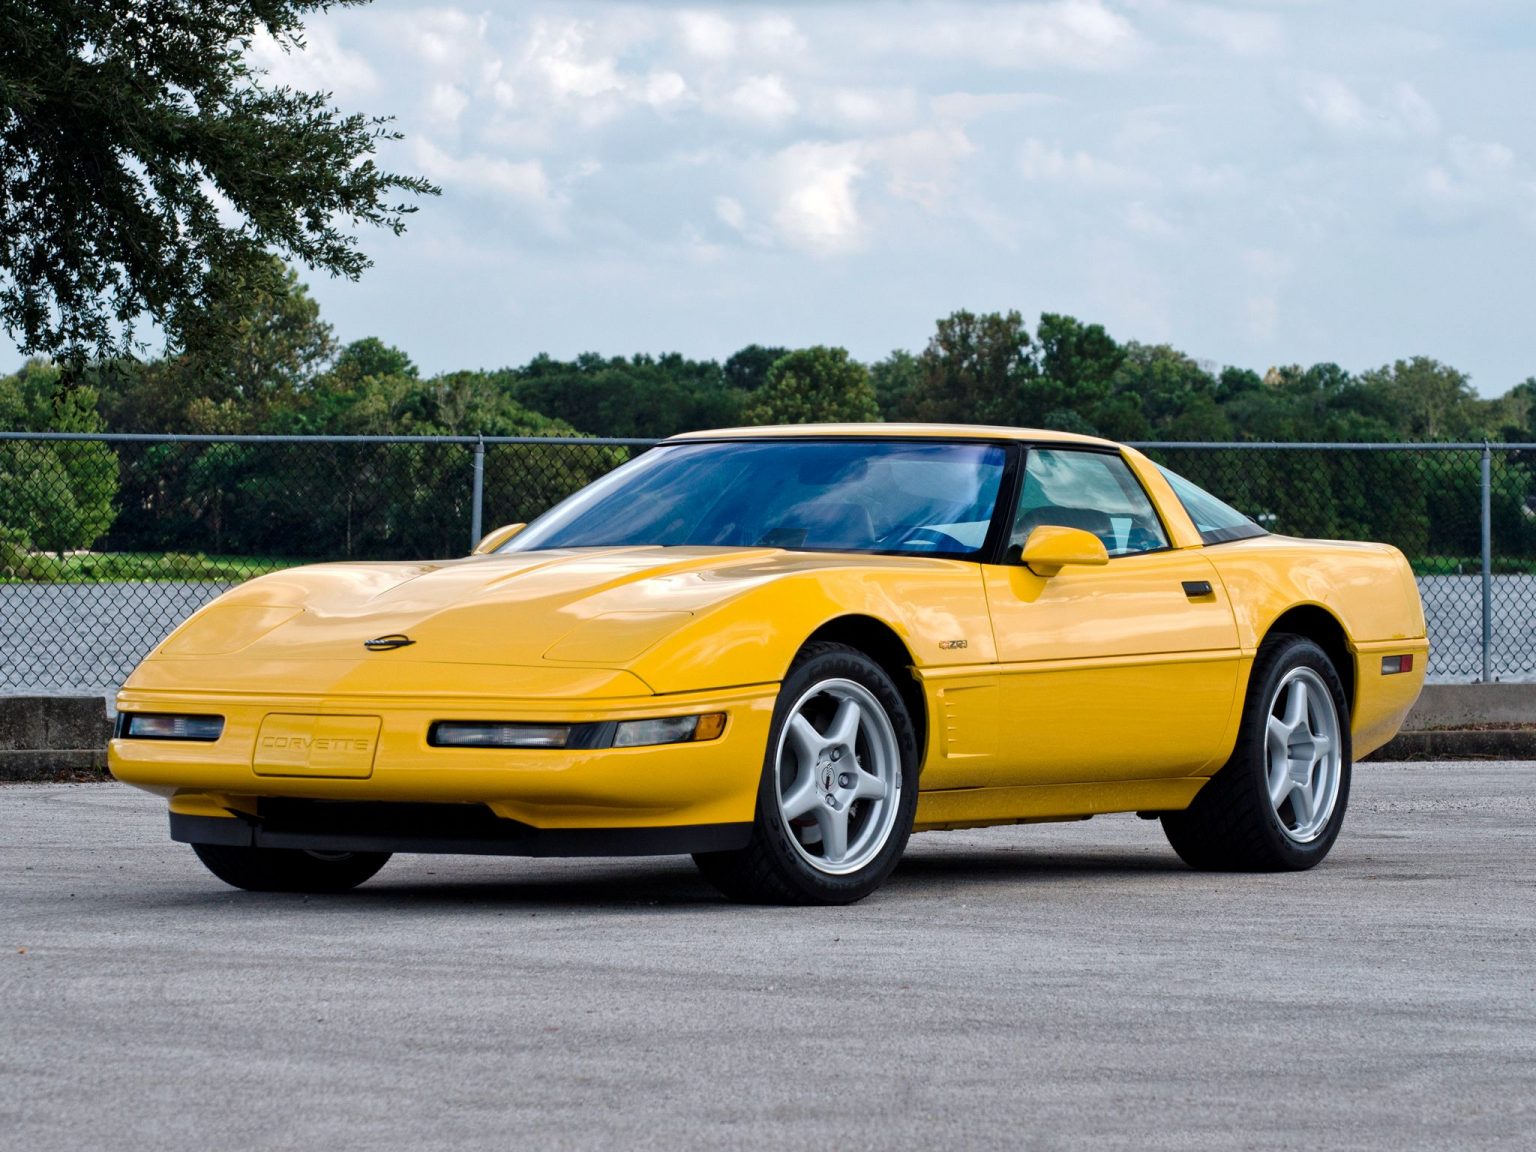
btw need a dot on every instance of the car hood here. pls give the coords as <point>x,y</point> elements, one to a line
<point>582,606</point>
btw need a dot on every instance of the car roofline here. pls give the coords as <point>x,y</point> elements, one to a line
<point>980,432</point>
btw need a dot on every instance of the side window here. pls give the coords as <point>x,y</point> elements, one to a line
<point>1093,491</point>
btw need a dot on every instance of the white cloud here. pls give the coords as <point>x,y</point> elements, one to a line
<point>446,38</point>
<point>558,53</point>
<point>921,166</point>
<point>731,212</point>
<point>1473,178</point>
<point>1242,33</point>
<point>446,103</point>
<point>1335,104</point>
<point>707,34</point>
<point>662,88</point>
<point>977,105</point>
<point>775,35</point>
<point>1040,162</point>
<point>324,65</point>
<point>862,109</point>
<point>524,181</point>
<point>1065,34</point>
<point>762,99</point>
<point>1143,218</point>
<point>817,209</point>
<point>1401,111</point>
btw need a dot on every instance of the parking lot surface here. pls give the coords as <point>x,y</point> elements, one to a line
<point>1036,987</point>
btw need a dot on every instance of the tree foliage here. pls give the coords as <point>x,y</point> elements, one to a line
<point>975,369</point>
<point>642,396</point>
<point>54,496</point>
<point>147,170</point>
<point>814,385</point>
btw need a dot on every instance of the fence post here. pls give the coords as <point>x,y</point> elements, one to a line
<point>477,500</point>
<point>1487,559</point>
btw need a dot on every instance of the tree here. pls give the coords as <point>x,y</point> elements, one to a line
<point>147,170</point>
<point>1433,401</point>
<point>747,370</point>
<point>975,369</point>
<point>57,495</point>
<point>813,386</point>
<point>642,396</point>
<point>897,380</point>
<point>1077,363</point>
<point>273,345</point>
<point>370,356</point>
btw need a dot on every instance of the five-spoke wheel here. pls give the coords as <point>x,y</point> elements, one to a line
<point>1301,747</point>
<point>838,791</point>
<point>839,776</point>
<point>1279,802</point>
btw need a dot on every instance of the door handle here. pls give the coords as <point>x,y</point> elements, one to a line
<point>1194,588</point>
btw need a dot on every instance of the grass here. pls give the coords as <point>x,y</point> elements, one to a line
<point>97,567</point>
<point>1470,566</point>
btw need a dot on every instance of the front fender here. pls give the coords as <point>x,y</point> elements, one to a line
<point>938,609</point>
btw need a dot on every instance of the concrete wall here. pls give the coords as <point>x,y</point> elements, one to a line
<point>53,737</point>
<point>1465,705</point>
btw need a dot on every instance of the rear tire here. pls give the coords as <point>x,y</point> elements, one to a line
<point>838,790</point>
<point>1278,803</point>
<point>289,869</point>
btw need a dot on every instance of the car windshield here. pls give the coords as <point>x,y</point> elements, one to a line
<point>862,495</point>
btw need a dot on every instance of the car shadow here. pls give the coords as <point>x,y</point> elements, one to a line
<point>1014,865</point>
<point>669,883</point>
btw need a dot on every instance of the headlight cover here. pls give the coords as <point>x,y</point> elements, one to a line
<point>170,726</point>
<point>608,734</point>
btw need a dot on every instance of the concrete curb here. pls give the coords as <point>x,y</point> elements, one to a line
<point>1461,744</point>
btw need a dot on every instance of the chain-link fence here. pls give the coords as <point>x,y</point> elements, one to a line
<point>107,542</point>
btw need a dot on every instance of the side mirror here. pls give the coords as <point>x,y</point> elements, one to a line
<point>496,538</point>
<point>1050,548</point>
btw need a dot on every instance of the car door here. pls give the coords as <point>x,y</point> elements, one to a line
<point>1122,672</point>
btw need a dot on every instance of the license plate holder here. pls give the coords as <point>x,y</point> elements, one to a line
<point>291,744</point>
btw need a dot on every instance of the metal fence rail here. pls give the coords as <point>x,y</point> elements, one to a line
<point>108,541</point>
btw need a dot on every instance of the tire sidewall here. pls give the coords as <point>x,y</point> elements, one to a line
<point>1288,654</point>
<point>820,887</point>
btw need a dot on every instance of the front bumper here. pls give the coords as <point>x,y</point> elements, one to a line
<point>373,826</point>
<point>707,782</point>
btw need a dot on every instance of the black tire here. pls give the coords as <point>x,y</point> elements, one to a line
<point>780,864</point>
<point>289,869</point>
<point>1234,824</point>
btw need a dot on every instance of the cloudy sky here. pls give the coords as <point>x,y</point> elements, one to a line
<point>1257,182</point>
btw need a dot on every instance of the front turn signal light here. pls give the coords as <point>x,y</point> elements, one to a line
<point>668,730</point>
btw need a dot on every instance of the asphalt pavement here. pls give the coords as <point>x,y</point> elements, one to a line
<point>1036,987</point>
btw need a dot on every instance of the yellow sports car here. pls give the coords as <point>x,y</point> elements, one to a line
<point>783,650</point>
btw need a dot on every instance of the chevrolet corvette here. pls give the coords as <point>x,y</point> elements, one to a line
<point>783,651</point>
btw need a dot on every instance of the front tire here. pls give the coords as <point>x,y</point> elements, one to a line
<point>289,869</point>
<point>838,789</point>
<point>1278,803</point>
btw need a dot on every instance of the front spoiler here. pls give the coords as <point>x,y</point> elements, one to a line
<point>371,826</point>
